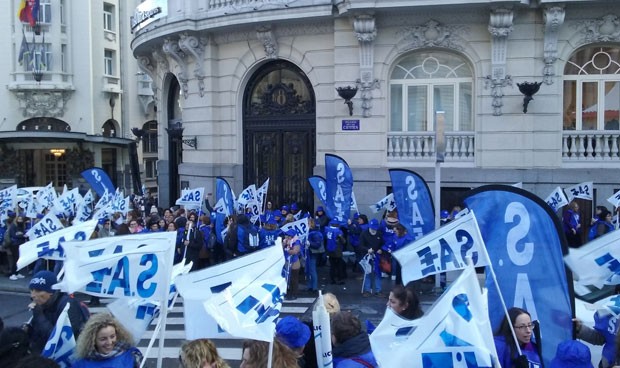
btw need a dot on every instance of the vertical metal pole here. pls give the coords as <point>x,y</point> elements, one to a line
<point>440,148</point>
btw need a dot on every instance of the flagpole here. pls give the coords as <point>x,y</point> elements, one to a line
<point>270,355</point>
<point>164,317</point>
<point>501,299</point>
<point>155,332</point>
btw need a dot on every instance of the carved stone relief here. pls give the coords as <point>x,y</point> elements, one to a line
<point>500,27</point>
<point>553,19</point>
<point>604,29</point>
<point>366,32</point>
<point>268,39</point>
<point>172,48</point>
<point>431,34</point>
<point>42,103</point>
<point>195,47</point>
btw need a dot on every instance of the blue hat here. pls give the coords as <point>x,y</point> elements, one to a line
<point>277,213</point>
<point>356,215</point>
<point>374,224</point>
<point>11,213</point>
<point>292,332</point>
<point>291,232</point>
<point>285,208</point>
<point>334,222</point>
<point>320,209</point>
<point>444,214</point>
<point>271,221</point>
<point>572,354</point>
<point>294,207</point>
<point>43,281</point>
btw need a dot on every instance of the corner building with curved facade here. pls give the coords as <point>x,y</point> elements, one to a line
<point>253,86</point>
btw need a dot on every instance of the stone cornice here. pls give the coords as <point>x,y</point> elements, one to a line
<point>172,48</point>
<point>195,47</point>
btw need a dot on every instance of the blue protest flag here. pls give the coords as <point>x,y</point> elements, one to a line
<point>339,180</point>
<point>223,190</point>
<point>319,186</point>
<point>413,201</point>
<point>526,245</point>
<point>98,180</point>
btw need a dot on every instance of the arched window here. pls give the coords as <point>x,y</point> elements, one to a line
<point>592,89</point>
<point>428,84</point>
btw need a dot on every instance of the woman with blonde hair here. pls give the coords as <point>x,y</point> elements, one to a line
<point>200,353</point>
<point>255,354</point>
<point>104,342</point>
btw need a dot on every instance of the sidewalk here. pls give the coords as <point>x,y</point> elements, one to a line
<point>17,286</point>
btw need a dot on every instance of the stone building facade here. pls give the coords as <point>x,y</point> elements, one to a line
<point>253,85</point>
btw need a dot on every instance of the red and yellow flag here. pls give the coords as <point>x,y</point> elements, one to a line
<point>28,11</point>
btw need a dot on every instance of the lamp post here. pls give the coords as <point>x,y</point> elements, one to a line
<point>440,149</point>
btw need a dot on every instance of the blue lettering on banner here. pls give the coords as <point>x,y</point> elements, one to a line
<point>451,360</point>
<point>121,278</point>
<point>264,311</point>
<point>147,275</point>
<point>65,334</point>
<point>555,200</point>
<point>580,191</point>
<point>350,125</point>
<point>447,255</point>
<point>192,197</point>
<point>612,264</point>
<point>146,311</point>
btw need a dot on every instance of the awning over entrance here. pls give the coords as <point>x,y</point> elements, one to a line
<point>55,137</point>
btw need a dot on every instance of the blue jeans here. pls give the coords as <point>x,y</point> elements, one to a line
<point>313,278</point>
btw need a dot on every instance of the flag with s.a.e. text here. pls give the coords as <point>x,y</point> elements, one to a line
<point>454,333</point>
<point>61,342</point>
<point>98,180</point>
<point>339,180</point>
<point>319,186</point>
<point>413,201</point>
<point>253,289</point>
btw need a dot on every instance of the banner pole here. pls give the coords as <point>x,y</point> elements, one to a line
<point>164,309</point>
<point>501,299</point>
<point>270,355</point>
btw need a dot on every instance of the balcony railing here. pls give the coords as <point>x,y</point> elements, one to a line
<point>420,146</point>
<point>590,146</point>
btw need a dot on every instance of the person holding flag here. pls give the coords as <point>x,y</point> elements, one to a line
<point>106,343</point>
<point>519,325</point>
<point>571,220</point>
<point>47,306</point>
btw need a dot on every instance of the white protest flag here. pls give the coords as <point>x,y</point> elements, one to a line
<point>7,198</point>
<point>594,263</point>
<point>220,207</point>
<point>84,208</point>
<point>130,266</point>
<point>104,201</point>
<point>261,194</point>
<point>263,266</point>
<point>247,195</point>
<point>61,343</point>
<point>615,199</point>
<point>455,332</point>
<point>386,202</point>
<point>49,246</point>
<point>583,190</point>
<point>322,334</point>
<point>444,249</point>
<point>191,198</point>
<point>65,204</point>
<point>557,199</point>
<point>47,196</point>
<point>137,314</point>
<point>26,203</point>
<point>354,203</point>
<point>47,225</point>
<point>300,227</point>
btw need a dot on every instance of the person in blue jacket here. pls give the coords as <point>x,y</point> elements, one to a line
<point>400,240</point>
<point>506,345</point>
<point>269,233</point>
<point>351,346</point>
<point>105,343</point>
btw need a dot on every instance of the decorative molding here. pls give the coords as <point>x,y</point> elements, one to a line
<point>604,29</point>
<point>500,27</point>
<point>245,6</point>
<point>553,19</point>
<point>366,32</point>
<point>288,31</point>
<point>173,49</point>
<point>195,47</point>
<point>162,67</point>
<point>431,34</point>
<point>268,39</point>
<point>42,103</point>
<point>145,63</point>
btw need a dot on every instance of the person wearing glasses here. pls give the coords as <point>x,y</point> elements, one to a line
<point>506,345</point>
<point>200,353</point>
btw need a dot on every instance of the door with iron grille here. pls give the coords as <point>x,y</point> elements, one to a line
<point>279,133</point>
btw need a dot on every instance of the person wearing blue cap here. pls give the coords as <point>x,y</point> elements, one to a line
<point>572,354</point>
<point>371,242</point>
<point>335,242</point>
<point>294,334</point>
<point>47,305</point>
